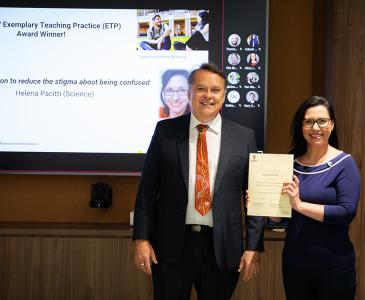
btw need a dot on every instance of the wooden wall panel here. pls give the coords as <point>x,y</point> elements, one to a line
<point>31,259</point>
<point>82,271</point>
<point>60,198</point>
<point>55,274</point>
<point>78,264</point>
<point>20,268</point>
<point>345,86</point>
<point>290,67</point>
<point>268,284</point>
<point>3,266</point>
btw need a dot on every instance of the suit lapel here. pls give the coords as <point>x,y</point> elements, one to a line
<point>182,138</point>
<point>227,142</point>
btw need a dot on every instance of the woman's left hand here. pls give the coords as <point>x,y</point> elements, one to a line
<point>292,189</point>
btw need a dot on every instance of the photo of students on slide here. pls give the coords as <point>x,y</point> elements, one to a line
<point>158,35</point>
<point>200,37</point>
<point>175,29</point>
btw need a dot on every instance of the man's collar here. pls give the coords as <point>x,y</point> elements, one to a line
<point>215,124</point>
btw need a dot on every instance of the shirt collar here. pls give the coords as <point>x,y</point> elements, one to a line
<point>215,125</point>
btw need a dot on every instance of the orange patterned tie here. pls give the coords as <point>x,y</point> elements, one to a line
<point>203,201</point>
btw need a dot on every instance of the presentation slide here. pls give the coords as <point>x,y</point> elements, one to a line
<point>85,80</point>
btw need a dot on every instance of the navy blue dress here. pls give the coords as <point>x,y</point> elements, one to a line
<point>318,257</point>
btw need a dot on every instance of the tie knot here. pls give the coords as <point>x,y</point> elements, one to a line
<point>202,128</point>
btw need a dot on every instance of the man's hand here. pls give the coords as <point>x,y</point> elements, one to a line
<point>250,264</point>
<point>143,255</point>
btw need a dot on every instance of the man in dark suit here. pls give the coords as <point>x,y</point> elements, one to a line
<point>188,212</point>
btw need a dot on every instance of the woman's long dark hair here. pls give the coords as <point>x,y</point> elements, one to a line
<point>298,144</point>
<point>204,15</point>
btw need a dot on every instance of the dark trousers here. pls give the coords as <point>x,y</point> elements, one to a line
<point>198,268</point>
<point>166,45</point>
<point>301,282</point>
<point>195,42</point>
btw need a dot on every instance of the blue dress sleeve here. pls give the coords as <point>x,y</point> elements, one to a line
<point>347,185</point>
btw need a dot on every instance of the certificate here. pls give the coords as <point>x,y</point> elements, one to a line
<point>267,173</point>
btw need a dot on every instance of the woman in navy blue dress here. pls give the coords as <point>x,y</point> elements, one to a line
<point>318,256</point>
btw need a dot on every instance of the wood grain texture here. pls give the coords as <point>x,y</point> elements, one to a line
<point>266,285</point>
<point>345,86</point>
<point>290,67</point>
<point>68,265</point>
<point>60,198</point>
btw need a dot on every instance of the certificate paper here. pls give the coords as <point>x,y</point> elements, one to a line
<point>267,173</point>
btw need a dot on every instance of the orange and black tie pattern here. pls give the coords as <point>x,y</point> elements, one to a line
<point>203,201</point>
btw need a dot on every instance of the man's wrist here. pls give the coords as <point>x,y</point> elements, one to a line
<point>140,241</point>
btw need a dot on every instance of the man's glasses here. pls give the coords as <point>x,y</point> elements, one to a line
<point>180,92</point>
<point>321,122</point>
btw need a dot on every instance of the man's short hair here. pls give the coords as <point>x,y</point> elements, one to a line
<point>155,16</point>
<point>210,68</point>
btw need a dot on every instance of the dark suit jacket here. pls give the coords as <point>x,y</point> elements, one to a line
<point>162,198</point>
